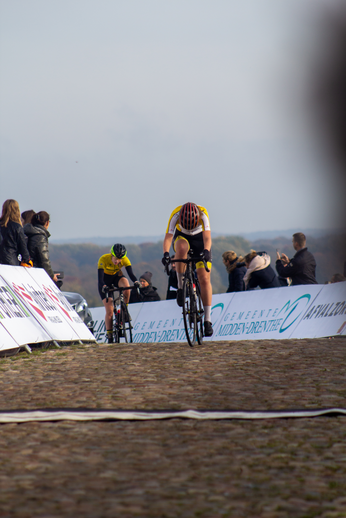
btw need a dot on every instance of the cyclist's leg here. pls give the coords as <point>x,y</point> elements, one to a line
<point>109,311</point>
<point>206,294</point>
<point>124,283</point>
<point>205,284</point>
<point>181,247</point>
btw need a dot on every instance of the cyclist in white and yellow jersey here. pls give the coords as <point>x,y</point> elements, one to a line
<point>109,273</point>
<point>189,227</point>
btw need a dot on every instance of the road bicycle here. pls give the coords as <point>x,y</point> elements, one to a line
<point>193,308</point>
<point>122,326</point>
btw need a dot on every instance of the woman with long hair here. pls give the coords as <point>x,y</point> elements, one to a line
<point>37,234</point>
<point>13,242</point>
<point>236,269</point>
<point>259,272</point>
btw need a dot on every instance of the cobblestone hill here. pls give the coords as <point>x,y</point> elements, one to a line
<point>177,468</point>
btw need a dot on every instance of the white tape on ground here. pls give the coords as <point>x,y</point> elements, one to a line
<point>24,416</point>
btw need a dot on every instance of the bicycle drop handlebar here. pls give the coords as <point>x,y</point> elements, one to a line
<point>111,289</point>
<point>190,259</point>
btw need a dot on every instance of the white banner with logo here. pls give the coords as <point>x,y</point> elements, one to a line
<point>33,310</point>
<point>58,307</point>
<point>326,315</point>
<point>262,314</point>
<point>15,315</point>
<point>279,313</point>
<point>159,322</point>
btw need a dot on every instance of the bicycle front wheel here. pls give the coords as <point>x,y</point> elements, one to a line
<point>127,327</point>
<point>190,312</point>
<point>116,327</point>
<point>200,313</point>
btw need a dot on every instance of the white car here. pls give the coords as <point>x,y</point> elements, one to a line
<point>81,307</point>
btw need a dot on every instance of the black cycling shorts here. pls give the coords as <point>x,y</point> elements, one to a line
<point>110,280</point>
<point>196,244</point>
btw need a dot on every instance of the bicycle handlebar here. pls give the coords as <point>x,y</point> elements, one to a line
<point>190,259</point>
<point>111,289</point>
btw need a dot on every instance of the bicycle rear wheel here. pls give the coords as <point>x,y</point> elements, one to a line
<point>190,312</point>
<point>127,327</point>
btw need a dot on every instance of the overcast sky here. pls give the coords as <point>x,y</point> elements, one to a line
<point>113,112</point>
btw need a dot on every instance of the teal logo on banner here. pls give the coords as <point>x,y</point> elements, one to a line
<point>216,311</point>
<point>294,309</point>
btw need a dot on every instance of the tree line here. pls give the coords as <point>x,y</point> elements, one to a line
<point>79,261</point>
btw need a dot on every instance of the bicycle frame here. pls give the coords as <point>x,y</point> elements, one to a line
<point>193,308</point>
<point>122,327</point>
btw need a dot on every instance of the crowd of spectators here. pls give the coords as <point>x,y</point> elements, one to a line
<point>24,238</point>
<point>24,241</point>
<point>254,270</point>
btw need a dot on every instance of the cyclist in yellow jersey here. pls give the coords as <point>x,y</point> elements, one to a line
<point>109,272</point>
<point>189,227</point>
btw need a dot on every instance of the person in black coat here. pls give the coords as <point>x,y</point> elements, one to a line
<point>259,272</point>
<point>236,270</point>
<point>12,242</point>
<point>301,269</point>
<point>148,293</point>
<point>37,234</point>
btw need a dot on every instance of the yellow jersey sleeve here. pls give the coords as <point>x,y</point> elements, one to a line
<point>173,220</point>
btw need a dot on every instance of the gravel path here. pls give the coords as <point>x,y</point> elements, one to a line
<point>176,468</point>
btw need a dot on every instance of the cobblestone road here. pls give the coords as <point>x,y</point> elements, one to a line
<point>176,468</point>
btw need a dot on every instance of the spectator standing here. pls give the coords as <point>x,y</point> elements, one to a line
<point>13,242</point>
<point>148,293</point>
<point>37,234</point>
<point>236,269</point>
<point>259,272</point>
<point>301,269</point>
<point>172,282</point>
<point>26,216</point>
<point>337,277</point>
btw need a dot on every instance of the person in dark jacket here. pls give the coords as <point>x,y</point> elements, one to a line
<point>13,242</point>
<point>37,234</point>
<point>301,269</point>
<point>236,269</point>
<point>148,293</point>
<point>259,272</point>
<point>172,282</point>
<point>26,216</point>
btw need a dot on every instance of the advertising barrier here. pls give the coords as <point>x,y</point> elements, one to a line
<point>306,311</point>
<point>326,315</point>
<point>263,314</point>
<point>33,310</point>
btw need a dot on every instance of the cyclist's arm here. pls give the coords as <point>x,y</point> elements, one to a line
<point>130,273</point>
<point>167,242</point>
<point>101,278</point>
<point>207,240</point>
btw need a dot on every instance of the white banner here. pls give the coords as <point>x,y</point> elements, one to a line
<point>261,314</point>
<point>62,308</point>
<point>14,314</point>
<point>6,341</point>
<point>160,321</point>
<point>32,308</point>
<point>279,313</point>
<point>326,316</point>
